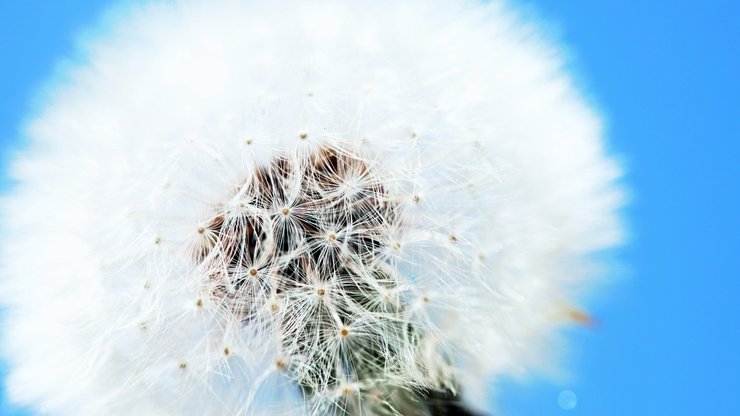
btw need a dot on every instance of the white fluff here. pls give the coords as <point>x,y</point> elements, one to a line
<point>460,110</point>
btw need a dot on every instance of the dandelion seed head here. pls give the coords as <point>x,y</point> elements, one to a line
<point>334,209</point>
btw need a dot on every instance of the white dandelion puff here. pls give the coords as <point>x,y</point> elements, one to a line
<point>253,208</point>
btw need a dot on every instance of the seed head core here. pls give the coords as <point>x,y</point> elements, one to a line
<point>304,253</point>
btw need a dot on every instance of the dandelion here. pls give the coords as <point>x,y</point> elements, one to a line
<point>253,208</point>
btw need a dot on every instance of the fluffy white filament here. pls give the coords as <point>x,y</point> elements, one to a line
<point>253,208</point>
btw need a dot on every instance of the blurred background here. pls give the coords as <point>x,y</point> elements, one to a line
<point>665,75</point>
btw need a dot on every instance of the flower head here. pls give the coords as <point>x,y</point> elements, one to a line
<point>300,208</point>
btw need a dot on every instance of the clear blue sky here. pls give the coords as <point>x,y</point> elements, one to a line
<point>667,75</point>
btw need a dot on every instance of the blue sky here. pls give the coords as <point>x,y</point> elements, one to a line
<point>665,73</point>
